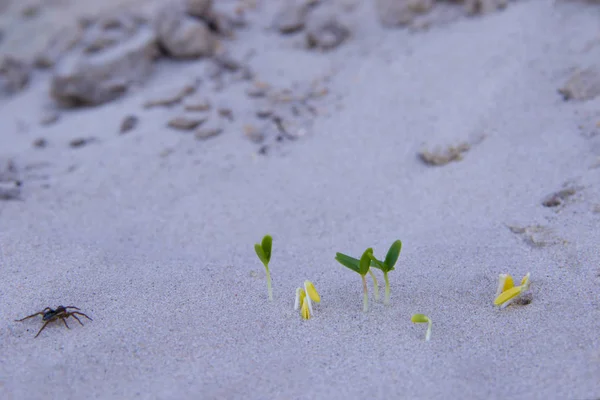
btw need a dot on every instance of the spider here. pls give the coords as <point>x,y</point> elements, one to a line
<point>50,315</point>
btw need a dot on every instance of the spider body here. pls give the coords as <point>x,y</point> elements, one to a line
<point>48,315</point>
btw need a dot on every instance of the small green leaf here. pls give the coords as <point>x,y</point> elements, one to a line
<point>348,262</point>
<point>393,254</point>
<point>365,262</point>
<point>267,243</point>
<point>261,254</point>
<point>377,264</point>
<point>419,319</point>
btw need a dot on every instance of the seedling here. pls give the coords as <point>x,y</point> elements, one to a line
<point>263,251</point>
<point>422,319</point>
<point>388,265</point>
<point>507,292</point>
<point>361,267</point>
<point>304,301</point>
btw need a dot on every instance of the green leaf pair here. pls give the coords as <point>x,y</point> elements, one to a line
<point>263,251</point>
<point>363,266</point>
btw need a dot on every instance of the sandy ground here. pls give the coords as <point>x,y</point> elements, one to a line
<point>151,233</point>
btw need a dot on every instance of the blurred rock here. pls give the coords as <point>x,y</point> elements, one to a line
<point>473,7</point>
<point>198,8</point>
<point>401,12</point>
<point>183,36</point>
<point>583,85</point>
<point>96,74</point>
<point>324,31</point>
<point>56,47</point>
<point>14,75</point>
<point>291,16</point>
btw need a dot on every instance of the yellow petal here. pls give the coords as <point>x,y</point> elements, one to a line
<point>305,311</point>
<point>525,280</point>
<point>312,292</point>
<point>508,294</point>
<point>505,282</point>
<point>300,295</point>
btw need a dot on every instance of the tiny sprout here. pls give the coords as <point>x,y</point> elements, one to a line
<point>388,265</point>
<point>263,251</point>
<point>422,319</point>
<point>361,267</point>
<point>304,302</point>
<point>507,292</point>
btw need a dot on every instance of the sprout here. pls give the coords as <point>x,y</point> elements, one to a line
<point>388,265</point>
<point>361,267</point>
<point>303,300</point>
<point>422,319</point>
<point>263,251</point>
<point>507,292</point>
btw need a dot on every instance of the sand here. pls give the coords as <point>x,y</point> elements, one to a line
<point>151,233</point>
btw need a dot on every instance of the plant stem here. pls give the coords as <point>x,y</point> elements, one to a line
<point>387,288</point>
<point>269,285</point>
<point>365,295</point>
<point>375,285</point>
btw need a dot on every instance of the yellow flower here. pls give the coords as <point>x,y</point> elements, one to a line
<point>507,291</point>
<point>303,301</point>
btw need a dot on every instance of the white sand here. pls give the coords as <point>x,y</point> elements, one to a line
<point>159,250</point>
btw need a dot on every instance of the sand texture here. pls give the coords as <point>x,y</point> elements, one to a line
<point>475,139</point>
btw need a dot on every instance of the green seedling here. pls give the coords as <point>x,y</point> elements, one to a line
<point>361,267</point>
<point>263,251</point>
<point>423,319</point>
<point>388,265</point>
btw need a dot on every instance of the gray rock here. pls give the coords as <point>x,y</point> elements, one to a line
<point>208,131</point>
<point>473,7</point>
<point>56,47</point>
<point>291,16</point>
<point>14,75</point>
<point>93,79</point>
<point>394,13</point>
<point>182,36</point>
<point>129,123</point>
<point>198,8</point>
<point>325,31</point>
<point>186,123</point>
<point>583,85</point>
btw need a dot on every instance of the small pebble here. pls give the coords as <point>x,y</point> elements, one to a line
<point>40,143</point>
<point>184,123</point>
<point>128,123</point>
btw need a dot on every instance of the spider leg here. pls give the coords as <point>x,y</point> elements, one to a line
<point>67,307</point>
<point>75,316</point>
<point>80,313</point>
<point>64,320</point>
<point>30,316</point>
<point>42,328</point>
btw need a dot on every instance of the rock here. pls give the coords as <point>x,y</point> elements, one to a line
<point>14,75</point>
<point>255,135</point>
<point>128,124</point>
<point>40,143</point>
<point>206,132</point>
<point>80,142</point>
<point>394,13</point>
<point>583,85</point>
<point>182,36</point>
<point>58,44</point>
<point>264,112</point>
<point>92,79</point>
<point>184,123</point>
<point>49,118</point>
<point>325,32</point>
<point>226,113</point>
<point>259,89</point>
<point>197,104</point>
<point>10,190</point>
<point>291,16</point>
<point>473,7</point>
<point>198,8</point>
<point>172,97</point>
<point>558,198</point>
<point>451,153</point>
